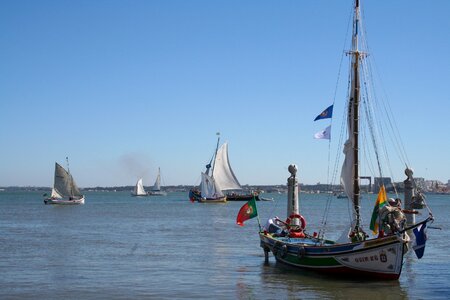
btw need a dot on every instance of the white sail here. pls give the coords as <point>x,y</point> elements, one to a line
<point>55,194</point>
<point>222,173</point>
<point>157,185</point>
<point>139,188</point>
<point>209,188</point>
<point>64,184</point>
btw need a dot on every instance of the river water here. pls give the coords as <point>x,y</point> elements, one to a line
<point>122,247</point>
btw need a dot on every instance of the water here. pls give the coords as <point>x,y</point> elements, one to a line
<point>121,247</point>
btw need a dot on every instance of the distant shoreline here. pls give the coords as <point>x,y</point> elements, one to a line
<point>280,189</point>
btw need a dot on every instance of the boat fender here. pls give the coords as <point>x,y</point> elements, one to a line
<point>279,250</point>
<point>301,252</point>
<point>296,216</point>
<point>283,251</point>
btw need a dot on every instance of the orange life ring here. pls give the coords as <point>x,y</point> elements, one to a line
<point>296,216</point>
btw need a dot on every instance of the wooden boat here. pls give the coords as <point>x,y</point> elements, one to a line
<point>356,253</point>
<point>222,178</point>
<point>242,197</point>
<point>64,191</point>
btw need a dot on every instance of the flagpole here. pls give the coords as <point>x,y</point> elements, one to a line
<point>257,215</point>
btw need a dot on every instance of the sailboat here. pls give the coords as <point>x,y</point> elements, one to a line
<point>156,189</point>
<point>356,253</point>
<point>209,190</point>
<point>65,190</point>
<point>223,177</point>
<point>139,189</point>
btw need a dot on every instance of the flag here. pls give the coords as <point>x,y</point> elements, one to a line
<point>324,134</point>
<point>379,204</point>
<point>247,211</point>
<point>327,113</point>
<point>420,239</point>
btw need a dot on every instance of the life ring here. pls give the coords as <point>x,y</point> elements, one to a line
<point>296,216</point>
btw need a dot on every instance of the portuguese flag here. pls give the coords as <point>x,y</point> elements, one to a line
<point>247,212</point>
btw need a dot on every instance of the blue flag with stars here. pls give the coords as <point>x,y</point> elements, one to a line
<point>327,113</point>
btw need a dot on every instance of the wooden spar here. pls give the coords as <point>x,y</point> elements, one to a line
<point>215,154</point>
<point>355,127</point>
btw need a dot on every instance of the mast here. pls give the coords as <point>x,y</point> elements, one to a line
<point>354,105</point>
<point>215,153</point>
<point>70,177</point>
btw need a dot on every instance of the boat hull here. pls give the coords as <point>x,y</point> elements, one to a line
<point>242,197</point>
<point>379,258</point>
<point>157,193</point>
<point>213,200</point>
<point>53,201</point>
<point>194,195</point>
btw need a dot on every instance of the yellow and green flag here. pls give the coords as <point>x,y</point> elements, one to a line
<point>379,204</point>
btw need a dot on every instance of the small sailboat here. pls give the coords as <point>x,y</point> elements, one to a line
<point>139,189</point>
<point>356,253</point>
<point>64,191</point>
<point>156,189</point>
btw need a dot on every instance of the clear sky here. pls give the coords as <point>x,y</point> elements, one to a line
<point>124,87</point>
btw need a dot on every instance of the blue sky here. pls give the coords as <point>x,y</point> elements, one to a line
<point>125,87</point>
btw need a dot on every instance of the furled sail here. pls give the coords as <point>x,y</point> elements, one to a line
<point>349,172</point>
<point>139,188</point>
<point>222,173</point>
<point>209,187</point>
<point>64,184</point>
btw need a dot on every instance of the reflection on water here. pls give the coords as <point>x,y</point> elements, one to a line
<point>291,284</point>
<point>119,247</point>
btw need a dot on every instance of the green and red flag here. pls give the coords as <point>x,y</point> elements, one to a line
<point>247,211</point>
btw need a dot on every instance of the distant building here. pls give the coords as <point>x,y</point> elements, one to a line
<point>378,181</point>
<point>420,182</point>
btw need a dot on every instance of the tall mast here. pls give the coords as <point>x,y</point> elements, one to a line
<point>70,176</point>
<point>215,154</point>
<point>354,104</point>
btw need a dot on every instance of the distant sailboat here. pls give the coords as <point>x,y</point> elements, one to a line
<point>156,189</point>
<point>139,189</point>
<point>210,191</point>
<point>223,177</point>
<point>65,190</point>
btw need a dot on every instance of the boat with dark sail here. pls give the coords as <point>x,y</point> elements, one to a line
<point>357,253</point>
<point>65,191</point>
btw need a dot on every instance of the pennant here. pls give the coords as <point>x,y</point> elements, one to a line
<point>324,134</point>
<point>327,113</point>
<point>379,204</point>
<point>247,211</point>
<point>420,239</point>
